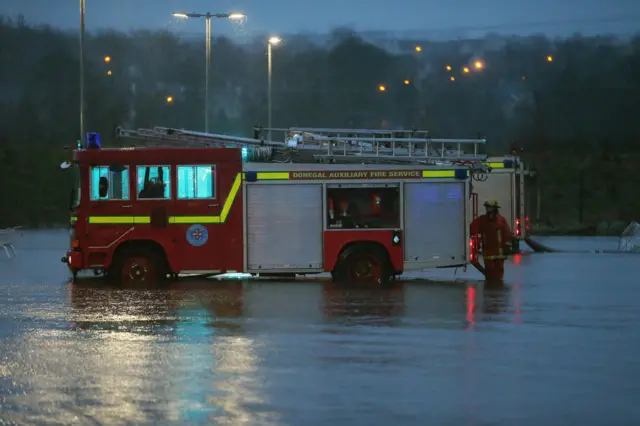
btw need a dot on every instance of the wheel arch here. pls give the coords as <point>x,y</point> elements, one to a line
<point>145,244</point>
<point>350,246</point>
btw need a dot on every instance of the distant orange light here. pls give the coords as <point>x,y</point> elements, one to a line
<point>169,99</point>
<point>479,65</point>
<point>452,78</point>
<point>418,48</point>
<point>465,70</point>
<point>407,82</point>
<point>109,72</point>
<point>382,88</point>
<point>448,67</point>
<point>549,58</point>
<point>107,59</point>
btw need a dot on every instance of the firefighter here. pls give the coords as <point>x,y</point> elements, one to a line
<point>496,237</point>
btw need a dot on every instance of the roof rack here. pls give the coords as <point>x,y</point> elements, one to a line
<point>327,144</point>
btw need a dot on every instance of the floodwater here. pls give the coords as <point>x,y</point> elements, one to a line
<point>558,346</point>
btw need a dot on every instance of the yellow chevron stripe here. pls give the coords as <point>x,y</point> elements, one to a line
<point>131,220</point>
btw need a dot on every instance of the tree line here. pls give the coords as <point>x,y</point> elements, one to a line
<point>570,104</point>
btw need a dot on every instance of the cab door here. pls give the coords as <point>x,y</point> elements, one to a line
<point>196,223</point>
<point>109,209</point>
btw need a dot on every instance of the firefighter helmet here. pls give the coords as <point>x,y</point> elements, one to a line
<point>492,202</point>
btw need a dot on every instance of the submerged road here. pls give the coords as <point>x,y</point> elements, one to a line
<point>558,346</point>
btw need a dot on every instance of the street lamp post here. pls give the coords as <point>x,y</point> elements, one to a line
<point>82,29</point>
<point>272,41</point>
<point>208,16</point>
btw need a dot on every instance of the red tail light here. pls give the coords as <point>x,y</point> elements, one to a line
<point>473,249</point>
<point>517,227</point>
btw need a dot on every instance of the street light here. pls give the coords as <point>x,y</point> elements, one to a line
<point>271,42</point>
<point>448,67</point>
<point>208,16</point>
<point>418,49</point>
<point>107,59</point>
<point>407,82</point>
<point>82,28</point>
<point>549,58</point>
<point>382,88</point>
<point>479,65</point>
<point>465,70</point>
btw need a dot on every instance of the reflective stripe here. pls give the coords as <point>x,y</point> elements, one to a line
<point>495,257</point>
<point>124,220</point>
<point>130,220</point>
<point>176,220</point>
<point>73,219</point>
<point>438,173</point>
<point>273,175</point>
<point>495,165</point>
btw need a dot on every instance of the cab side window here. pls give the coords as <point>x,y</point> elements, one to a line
<point>196,182</point>
<point>154,182</point>
<point>109,184</point>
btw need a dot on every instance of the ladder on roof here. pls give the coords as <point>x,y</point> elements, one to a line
<point>326,144</point>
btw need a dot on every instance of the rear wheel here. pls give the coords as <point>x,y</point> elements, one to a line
<point>138,266</point>
<point>363,264</point>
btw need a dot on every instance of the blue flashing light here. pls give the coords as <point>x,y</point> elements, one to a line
<point>92,140</point>
<point>245,152</point>
<point>461,173</point>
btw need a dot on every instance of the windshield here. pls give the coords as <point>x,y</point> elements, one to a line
<point>75,194</point>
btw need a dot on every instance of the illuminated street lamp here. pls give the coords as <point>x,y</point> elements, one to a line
<point>208,16</point>
<point>448,67</point>
<point>109,72</point>
<point>382,88</point>
<point>407,82</point>
<point>169,99</point>
<point>418,49</point>
<point>466,70</point>
<point>452,78</point>
<point>549,58</point>
<point>107,59</point>
<point>478,65</point>
<point>271,42</point>
<point>82,30</point>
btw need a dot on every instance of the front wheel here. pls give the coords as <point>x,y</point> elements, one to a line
<point>363,264</point>
<point>138,266</point>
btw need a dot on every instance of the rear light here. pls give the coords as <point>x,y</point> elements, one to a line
<point>472,249</point>
<point>75,244</point>
<point>517,227</point>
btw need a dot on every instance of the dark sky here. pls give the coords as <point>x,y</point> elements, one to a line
<point>553,17</point>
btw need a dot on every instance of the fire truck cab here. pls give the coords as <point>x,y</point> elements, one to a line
<point>140,214</point>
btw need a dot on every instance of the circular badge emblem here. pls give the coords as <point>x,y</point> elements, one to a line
<point>197,235</point>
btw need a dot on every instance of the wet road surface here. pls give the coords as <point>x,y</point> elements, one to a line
<point>558,346</point>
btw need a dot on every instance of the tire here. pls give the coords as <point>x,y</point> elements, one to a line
<point>138,266</point>
<point>363,264</point>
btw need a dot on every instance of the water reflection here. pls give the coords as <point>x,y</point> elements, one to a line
<point>348,303</point>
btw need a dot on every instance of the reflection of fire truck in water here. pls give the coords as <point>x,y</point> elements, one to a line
<point>143,213</point>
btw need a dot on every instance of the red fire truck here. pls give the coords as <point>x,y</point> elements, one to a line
<point>142,213</point>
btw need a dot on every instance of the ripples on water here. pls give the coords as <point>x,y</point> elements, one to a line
<point>557,345</point>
